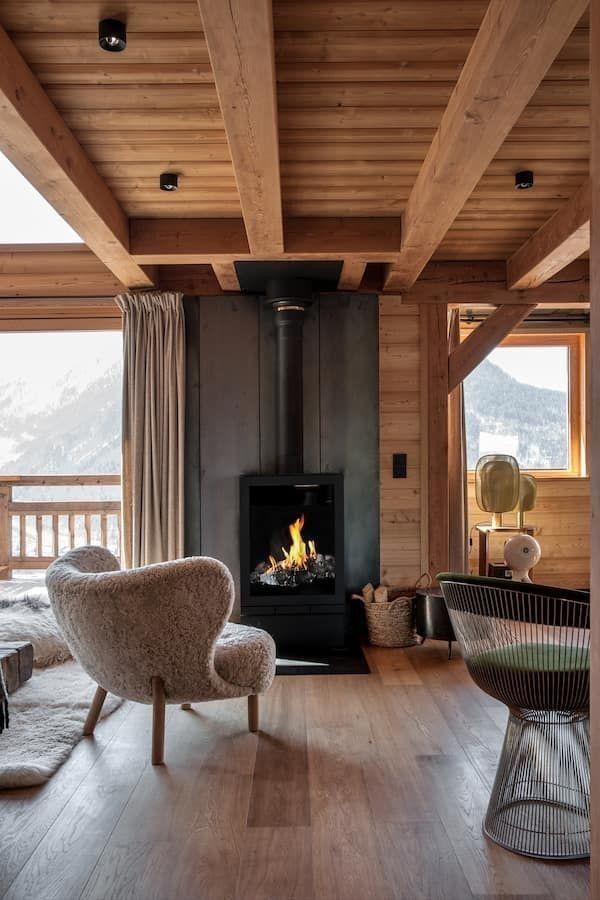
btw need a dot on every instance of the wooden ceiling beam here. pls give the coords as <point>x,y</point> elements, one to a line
<point>480,342</point>
<point>514,47</point>
<point>559,241</point>
<point>34,136</point>
<point>478,283</point>
<point>199,241</point>
<point>240,41</point>
<point>226,276</point>
<point>351,275</point>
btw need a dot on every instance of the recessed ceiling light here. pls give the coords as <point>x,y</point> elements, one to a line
<point>524,180</point>
<point>112,35</point>
<point>169,181</point>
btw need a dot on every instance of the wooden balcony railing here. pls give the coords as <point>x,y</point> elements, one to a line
<point>35,532</point>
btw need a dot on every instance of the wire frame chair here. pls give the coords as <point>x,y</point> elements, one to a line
<point>527,645</point>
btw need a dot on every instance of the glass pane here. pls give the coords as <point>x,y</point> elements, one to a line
<point>517,402</point>
<point>60,395</point>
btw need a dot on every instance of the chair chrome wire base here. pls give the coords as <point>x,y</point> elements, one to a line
<point>540,802</point>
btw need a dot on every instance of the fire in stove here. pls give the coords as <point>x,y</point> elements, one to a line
<point>301,563</point>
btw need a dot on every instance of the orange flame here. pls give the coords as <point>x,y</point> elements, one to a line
<point>297,556</point>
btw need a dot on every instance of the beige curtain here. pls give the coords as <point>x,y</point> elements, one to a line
<point>457,466</point>
<point>153,426</point>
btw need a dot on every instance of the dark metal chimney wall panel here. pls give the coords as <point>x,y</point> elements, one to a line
<point>289,374</point>
<point>350,423</point>
<point>229,419</point>
<point>231,371</point>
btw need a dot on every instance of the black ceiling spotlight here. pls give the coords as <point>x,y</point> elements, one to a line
<point>524,180</point>
<point>169,181</point>
<point>112,35</point>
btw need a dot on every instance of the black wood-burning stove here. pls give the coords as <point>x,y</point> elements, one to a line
<point>292,557</point>
<point>292,524</point>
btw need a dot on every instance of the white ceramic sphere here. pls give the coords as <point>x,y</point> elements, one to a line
<point>522,553</point>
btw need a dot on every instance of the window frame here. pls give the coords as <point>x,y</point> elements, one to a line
<point>575,341</point>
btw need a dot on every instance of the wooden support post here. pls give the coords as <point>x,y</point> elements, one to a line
<point>5,533</point>
<point>434,347</point>
<point>595,439</point>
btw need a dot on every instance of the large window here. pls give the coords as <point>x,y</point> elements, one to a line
<point>60,395</point>
<point>526,399</point>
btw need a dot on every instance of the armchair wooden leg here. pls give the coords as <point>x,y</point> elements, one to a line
<point>186,705</point>
<point>158,722</point>
<point>94,711</point>
<point>253,712</point>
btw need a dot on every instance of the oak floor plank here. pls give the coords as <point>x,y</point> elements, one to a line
<point>181,832</point>
<point>345,855</point>
<point>276,862</point>
<point>379,787</point>
<point>439,877</point>
<point>27,815</point>
<point>280,788</point>
<point>461,802</point>
<point>67,854</point>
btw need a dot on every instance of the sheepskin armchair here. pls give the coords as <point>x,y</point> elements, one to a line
<point>158,634</point>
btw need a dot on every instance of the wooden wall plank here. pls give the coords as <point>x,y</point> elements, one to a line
<point>400,366</point>
<point>562,520</point>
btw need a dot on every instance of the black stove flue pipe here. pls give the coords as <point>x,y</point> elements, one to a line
<point>290,298</point>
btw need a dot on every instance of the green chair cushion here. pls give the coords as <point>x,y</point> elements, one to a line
<point>535,658</point>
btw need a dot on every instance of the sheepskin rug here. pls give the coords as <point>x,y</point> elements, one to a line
<point>47,713</point>
<point>46,721</point>
<point>28,616</point>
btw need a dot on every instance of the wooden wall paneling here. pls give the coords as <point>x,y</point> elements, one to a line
<point>400,431</point>
<point>229,419</point>
<point>434,334</point>
<point>595,440</point>
<point>350,422</point>
<point>562,520</point>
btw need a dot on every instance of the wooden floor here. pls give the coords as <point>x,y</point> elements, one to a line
<point>358,787</point>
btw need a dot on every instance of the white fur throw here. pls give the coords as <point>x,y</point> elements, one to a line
<point>46,721</point>
<point>29,617</point>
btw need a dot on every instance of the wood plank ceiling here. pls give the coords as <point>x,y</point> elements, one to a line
<point>361,89</point>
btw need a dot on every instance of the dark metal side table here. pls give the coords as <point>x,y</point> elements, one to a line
<point>431,617</point>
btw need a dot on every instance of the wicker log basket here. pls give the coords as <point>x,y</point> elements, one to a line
<point>390,614</point>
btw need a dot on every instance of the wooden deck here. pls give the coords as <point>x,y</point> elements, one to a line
<point>357,787</point>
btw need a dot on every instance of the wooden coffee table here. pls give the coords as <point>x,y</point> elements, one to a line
<point>16,660</point>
